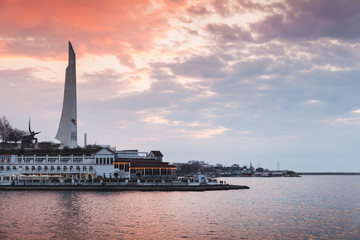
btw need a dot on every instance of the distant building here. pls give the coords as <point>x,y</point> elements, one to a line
<point>157,155</point>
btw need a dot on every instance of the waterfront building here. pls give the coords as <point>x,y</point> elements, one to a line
<point>103,166</point>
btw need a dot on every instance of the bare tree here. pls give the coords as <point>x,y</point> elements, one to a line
<point>5,129</point>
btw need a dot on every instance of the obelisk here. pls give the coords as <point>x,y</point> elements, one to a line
<point>67,132</point>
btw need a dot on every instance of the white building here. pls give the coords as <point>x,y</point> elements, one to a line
<point>104,165</point>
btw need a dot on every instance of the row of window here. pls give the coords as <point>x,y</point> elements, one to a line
<point>122,166</point>
<point>151,171</point>
<point>50,159</point>
<point>104,160</point>
<point>46,168</point>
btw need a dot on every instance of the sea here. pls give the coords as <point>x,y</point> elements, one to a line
<point>307,207</point>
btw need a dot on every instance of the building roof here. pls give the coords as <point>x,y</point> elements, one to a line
<point>153,165</point>
<point>145,163</point>
<point>105,151</point>
<point>157,153</point>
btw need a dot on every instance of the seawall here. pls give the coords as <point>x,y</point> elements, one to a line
<point>124,188</point>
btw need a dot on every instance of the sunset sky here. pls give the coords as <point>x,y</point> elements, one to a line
<point>218,81</point>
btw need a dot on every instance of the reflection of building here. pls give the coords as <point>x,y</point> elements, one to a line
<point>104,165</point>
<point>67,132</point>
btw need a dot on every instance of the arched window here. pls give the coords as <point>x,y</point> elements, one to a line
<point>58,168</point>
<point>91,168</point>
<point>52,168</point>
<point>33,168</point>
<point>77,168</point>
<point>27,168</point>
<point>71,168</point>
<point>14,168</point>
<point>46,168</point>
<point>1,168</point>
<point>39,168</point>
<point>84,168</point>
<point>7,168</point>
<point>65,168</point>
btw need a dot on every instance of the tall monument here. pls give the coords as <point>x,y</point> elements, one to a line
<point>67,132</point>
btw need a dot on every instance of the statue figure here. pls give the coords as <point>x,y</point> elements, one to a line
<point>31,137</point>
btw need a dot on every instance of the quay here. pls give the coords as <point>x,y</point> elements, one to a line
<point>142,188</point>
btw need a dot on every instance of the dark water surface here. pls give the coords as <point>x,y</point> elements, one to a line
<point>310,207</point>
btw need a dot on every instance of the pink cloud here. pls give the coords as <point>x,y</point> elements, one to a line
<point>42,28</point>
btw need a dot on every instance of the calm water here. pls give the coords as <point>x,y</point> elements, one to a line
<point>310,207</point>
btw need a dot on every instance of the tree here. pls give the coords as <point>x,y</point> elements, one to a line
<point>5,129</point>
<point>16,135</point>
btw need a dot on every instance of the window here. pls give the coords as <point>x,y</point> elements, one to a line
<point>14,168</point>
<point>77,168</point>
<point>7,168</point>
<point>107,161</point>
<point>71,168</point>
<point>33,168</point>
<point>84,168</point>
<point>39,168</point>
<point>39,160</point>
<point>52,160</point>
<point>45,168</point>
<point>58,168</point>
<point>65,168</point>
<point>52,168</point>
<point>97,160</point>
<point>26,168</point>
<point>77,160</point>
<point>91,168</point>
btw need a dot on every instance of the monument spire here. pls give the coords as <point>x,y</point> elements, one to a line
<point>67,132</point>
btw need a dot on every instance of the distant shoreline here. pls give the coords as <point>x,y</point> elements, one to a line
<point>328,173</point>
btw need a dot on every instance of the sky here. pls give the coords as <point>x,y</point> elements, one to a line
<point>220,81</point>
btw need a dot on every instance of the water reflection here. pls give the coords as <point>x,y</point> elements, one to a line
<point>274,208</point>
<point>69,219</point>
